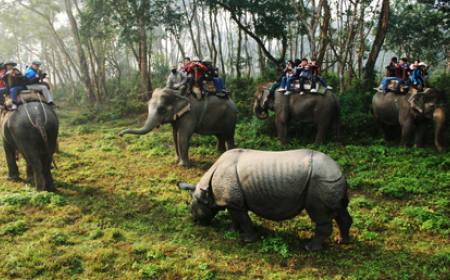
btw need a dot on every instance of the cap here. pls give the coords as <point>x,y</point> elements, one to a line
<point>36,62</point>
<point>10,62</point>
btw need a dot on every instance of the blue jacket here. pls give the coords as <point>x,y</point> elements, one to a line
<point>32,75</point>
<point>416,77</point>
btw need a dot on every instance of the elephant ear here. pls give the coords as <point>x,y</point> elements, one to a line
<point>181,104</point>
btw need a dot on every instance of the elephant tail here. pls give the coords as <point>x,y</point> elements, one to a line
<point>39,124</point>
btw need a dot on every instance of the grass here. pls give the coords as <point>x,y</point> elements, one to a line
<point>118,213</point>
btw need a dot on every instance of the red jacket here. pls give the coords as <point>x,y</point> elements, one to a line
<point>201,69</point>
<point>2,74</point>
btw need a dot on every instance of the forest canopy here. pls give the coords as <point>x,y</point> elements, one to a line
<point>88,44</point>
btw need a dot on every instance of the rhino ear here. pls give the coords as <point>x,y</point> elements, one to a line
<point>186,187</point>
<point>205,181</point>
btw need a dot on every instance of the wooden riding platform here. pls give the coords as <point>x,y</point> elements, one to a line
<point>26,96</point>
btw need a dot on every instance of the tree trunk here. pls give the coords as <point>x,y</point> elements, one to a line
<point>324,31</point>
<point>382,28</point>
<point>84,68</point>
<point>219,39</point>
<point>146,90</point>
<point>238,55</point>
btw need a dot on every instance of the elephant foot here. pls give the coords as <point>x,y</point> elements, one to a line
<point>234,228</point>
<point>314,246</point>
<point>184,163</point>
<point>343,240</point>
<point>13,178</point>
<point>249,237</point>
<point>52,189</point>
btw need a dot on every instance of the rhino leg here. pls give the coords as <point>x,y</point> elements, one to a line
<point>344,221</point>
<point>242,222</point>
<point>322,217</point>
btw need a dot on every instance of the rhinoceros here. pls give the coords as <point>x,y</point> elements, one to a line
<point>276,186</point>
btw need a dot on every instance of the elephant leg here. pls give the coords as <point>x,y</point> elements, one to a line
<point>388,134</point>
<point>29,173</point>
<point>321,133</point>
<point>220,143</point>
<point>230,143</point>
<point>420,135</point>
<point>175,141</point>
<point>242,221</point>
<point>47,167</point>
<point>282,131</point>
<point>407,129</point>
<point>10,153</point>
<point>183,138</point>
<point>439,122</point>
<point>34,160</point>
<point>344,221</point>
<point>320,215</point>
<point>337,129</point>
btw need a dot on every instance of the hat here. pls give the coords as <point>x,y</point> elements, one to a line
<point>196,59</point>
<point>423,64</point>
<point>10,62</point>
<point>36,62</point>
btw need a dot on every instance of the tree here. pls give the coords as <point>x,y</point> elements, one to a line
<point>264,22</point>
<point>380,35</point>
<point>416,29</point>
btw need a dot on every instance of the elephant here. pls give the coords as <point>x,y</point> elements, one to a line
<point>412,112</point>
<point>322,110</point>
<point>31,130</point>
<point>209,116</point>
<point>276,186</point>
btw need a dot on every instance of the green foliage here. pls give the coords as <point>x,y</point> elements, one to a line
<point>118,213</point>
<point>416,29</point>
<point>15,228</point>
<point>275,245</point>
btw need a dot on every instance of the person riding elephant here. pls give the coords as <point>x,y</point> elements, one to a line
<point>35,80</point>
<point>32,131</point>
<point>14,81</point>
<point>187,115</point>
<point>177,80</point>
<point>412,112</point>
<point>321,110</point>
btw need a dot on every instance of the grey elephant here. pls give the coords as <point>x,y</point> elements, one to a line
<point>275,186</point>
<point>209,116</point>
<point>32,131</point>
<point>412,112</point>
<point>322,110</point>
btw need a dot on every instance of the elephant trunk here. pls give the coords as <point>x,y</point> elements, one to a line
<point>150,123</point>
<point>260,112</point>
<point>439,122</point>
